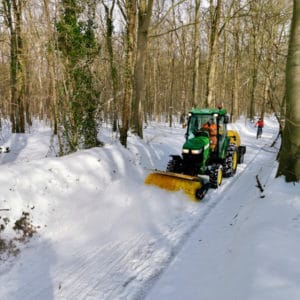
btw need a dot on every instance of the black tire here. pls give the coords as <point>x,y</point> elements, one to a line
<point>175,164</point>
<point>231,161</point>
<point>216,176</point>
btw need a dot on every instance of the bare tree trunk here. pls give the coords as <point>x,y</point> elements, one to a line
<point>12,12</point>
<point>130,17</point>
<point>254,56</point>
<point>213,53</point>
<point>266,97</point>
<point>13,76</point>
<point>289,159</point>
<point>196,50</point>
<point>224,78</point>
<point>20,78</point>
<point>51,69</point>
<point>236,66</point>
<point>171,90</point>
<point>113,68</point>
<point>144,18</point>
<point>253,78</point>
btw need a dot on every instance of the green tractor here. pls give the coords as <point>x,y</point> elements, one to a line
<point>210,149</point>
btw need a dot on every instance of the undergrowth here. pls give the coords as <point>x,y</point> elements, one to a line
<point>23,231</point>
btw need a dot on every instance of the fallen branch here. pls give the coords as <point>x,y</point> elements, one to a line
<point>4,209</point>
<point>259,184</point>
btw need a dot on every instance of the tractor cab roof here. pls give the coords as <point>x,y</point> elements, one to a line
<point>208,111</point>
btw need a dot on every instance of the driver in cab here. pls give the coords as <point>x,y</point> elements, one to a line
<point>211,127</point>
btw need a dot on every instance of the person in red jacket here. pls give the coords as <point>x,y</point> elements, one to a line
<point>259,124</point>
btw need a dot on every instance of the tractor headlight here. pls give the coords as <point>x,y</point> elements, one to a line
<point>196,151</point>
<point>186,151</point>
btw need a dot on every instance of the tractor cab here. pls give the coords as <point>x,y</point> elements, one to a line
<point>209,123</point>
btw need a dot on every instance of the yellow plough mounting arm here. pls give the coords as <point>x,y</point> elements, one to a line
<point>193,186</point>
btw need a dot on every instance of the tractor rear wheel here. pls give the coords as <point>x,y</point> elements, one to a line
<point>231,161</point>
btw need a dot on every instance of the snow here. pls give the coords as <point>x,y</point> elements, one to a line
<point>103,234</point>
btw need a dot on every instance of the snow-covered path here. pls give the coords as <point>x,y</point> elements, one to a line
<point>103,234</point>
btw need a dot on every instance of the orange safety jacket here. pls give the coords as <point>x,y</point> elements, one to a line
<point>212,130</point>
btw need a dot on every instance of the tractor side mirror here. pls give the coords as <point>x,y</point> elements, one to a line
<point>186,136</point>
<point>226,119</point>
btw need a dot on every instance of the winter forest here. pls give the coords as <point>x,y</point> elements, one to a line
<point>79,63</point>
<point>97,96</point>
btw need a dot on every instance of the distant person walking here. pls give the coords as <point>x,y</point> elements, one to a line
<point>259,124</point>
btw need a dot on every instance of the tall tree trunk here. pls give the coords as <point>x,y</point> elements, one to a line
<point>51,69</point>
<point>13,59</point>
<point>215,13</point>
<point>254,71</point>
<point>171,91</point>
<point>236,77</point>
<point>112,65</point>
<point>20,77</point>
<point>289,159</point>
<point>130,16</point>
<point>144,18</point>
<point>196,52</point>
<point>12,12</point>
<point>254,59</point>
<point>222,92</point>
<point>266,97</point>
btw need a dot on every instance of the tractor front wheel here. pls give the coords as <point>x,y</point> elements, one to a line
<point>175,165</point>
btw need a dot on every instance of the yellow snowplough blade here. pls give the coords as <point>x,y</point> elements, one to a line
<point>193,186</point>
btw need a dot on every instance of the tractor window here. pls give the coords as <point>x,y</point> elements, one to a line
<point>222,132</point>
<point>196,123</point>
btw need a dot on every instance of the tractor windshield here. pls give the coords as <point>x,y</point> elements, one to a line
<point>196,123</point>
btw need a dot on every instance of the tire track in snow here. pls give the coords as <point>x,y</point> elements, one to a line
<point>91,277</point>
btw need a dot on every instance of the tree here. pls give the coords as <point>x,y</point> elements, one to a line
<point>113,68</point>
<point>236,66</point>
<point>52,91</point>
<point>196,53</point>
<point>130,17</point>
<point>144,18</point>
<point>78,97</point>
<point>289,158</point>
<point>215,15</point>
<point>13,16</point>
